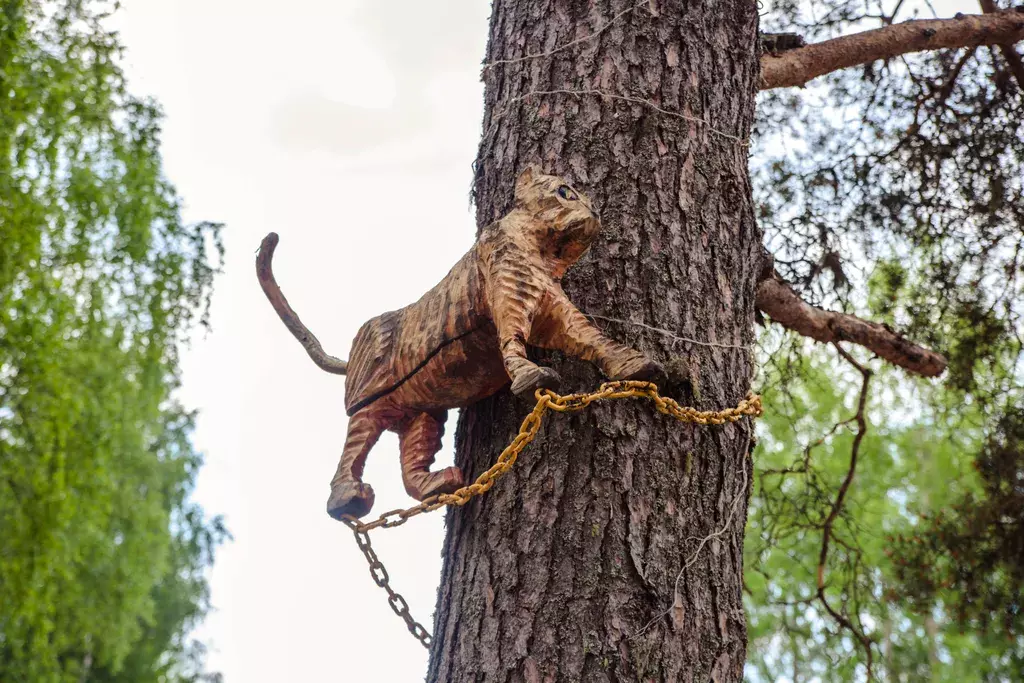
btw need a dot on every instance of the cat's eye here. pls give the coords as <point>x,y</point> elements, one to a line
<point>566,192</point>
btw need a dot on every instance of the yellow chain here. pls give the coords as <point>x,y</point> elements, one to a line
<point>546,400</point>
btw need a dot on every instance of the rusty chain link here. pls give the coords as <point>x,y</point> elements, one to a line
<point>546,400</point>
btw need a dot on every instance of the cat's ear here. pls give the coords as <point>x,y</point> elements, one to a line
<point>525,179</point>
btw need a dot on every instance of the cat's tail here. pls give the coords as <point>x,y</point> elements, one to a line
<point>288,316</point>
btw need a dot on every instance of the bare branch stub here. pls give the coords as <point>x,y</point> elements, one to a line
<point>780,303</point>
<point>797,67</point>
<point>777,43</point>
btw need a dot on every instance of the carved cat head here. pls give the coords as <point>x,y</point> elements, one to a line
<point>565,219</point>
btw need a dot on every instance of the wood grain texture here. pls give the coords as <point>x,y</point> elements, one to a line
<point>265,274</point>
<point>466,338</point>
<point>554,573</point>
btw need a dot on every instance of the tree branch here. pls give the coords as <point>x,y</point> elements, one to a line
<point>837,506</point>
<point>780,303</point>
<point>1013,59</point>
<point>947,89</point>
<point>796,67</point>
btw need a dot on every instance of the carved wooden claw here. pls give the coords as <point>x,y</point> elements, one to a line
<point>648,371</point>
<point>529,380</point>
<point>429,484</point>
<point>349,498</point>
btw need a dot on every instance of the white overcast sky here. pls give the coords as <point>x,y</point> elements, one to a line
<point>349,128</point>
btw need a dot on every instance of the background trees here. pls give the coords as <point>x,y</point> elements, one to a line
<point>101,552</point>
<point>894,190</point>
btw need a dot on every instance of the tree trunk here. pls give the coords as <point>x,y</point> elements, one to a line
<point>554,574</point>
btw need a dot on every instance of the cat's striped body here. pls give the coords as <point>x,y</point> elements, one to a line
<point>429,352</point>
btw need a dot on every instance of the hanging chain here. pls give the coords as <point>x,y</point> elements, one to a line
<point>381,578</point>
<point>546,400</point>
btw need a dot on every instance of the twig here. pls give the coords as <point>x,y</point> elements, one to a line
<point>540,55</point>
<point>693,557</point>
<point>826,530</point>
<point>805,465</point>
<point>947,88</point>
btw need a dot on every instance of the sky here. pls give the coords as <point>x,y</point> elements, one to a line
<point>349,128</point>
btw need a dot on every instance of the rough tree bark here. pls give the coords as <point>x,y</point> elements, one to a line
<point>554,574</point>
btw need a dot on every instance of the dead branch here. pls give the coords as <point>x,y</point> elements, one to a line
<point>780,303</point>
<point>288,316</point>
<point>796,67</point>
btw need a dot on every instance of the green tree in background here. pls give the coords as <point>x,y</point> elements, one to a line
<point>912,467</point>
<point>894,191</point>
<point>102,556</point>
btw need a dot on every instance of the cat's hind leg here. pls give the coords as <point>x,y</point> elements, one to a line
<point>419,441</point>
<point>349,495</point>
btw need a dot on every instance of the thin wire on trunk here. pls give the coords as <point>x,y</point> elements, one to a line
<point>564,46</point>
<point>693,557</point>
<point>673,335</point>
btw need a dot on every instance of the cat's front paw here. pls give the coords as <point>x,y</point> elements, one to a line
<point>537,377</point>
<point>644,369</point>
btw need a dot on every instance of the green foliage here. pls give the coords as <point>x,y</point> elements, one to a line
<point>912,465</point>
<point>894,191</point>
<point>979,537</point>
<point>101,554</point>
<point>916,161</point>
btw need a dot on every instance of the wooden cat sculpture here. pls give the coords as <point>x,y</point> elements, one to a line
<point>464,339</point>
